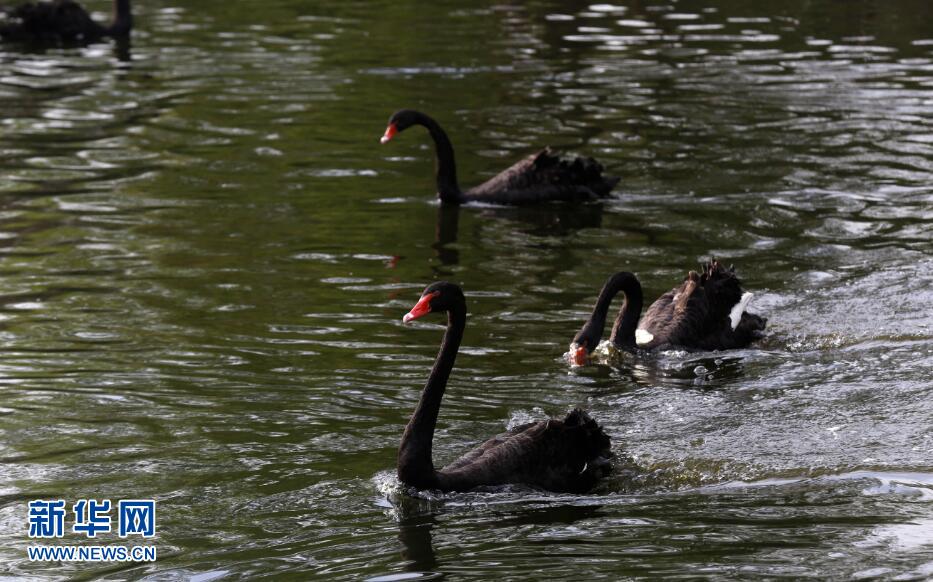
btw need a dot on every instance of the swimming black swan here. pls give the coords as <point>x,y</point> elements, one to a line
<point>61,21</point>
<point>540,177</point>
<point>705,312</point>
<point>567,455</point>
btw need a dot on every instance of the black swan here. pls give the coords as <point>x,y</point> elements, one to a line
<point>706,312</point>
<point>540,177</point>
<point>567,455</point>
<point>61,21</point>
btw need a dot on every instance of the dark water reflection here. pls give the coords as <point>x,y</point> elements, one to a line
<point>205,258</point>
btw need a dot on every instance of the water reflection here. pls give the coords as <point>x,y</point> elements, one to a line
<point>718,370</point>
<point>550,220</point>
<point>122,49</point>
<point>414,532</point>
<point>445,238</point>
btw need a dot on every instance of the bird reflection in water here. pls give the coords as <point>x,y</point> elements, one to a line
<point>556,219</point>
<point>417,548</point>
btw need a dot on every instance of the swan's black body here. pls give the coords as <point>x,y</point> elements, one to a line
<point>569,454</point>
<point>541,177</point>
<point>694,315</point>
<point>61,21</point>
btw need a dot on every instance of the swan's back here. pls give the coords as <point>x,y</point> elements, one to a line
<point>707,311</point>
<point>567,455</point>
<point>59,20</point>
<point>545,176</point>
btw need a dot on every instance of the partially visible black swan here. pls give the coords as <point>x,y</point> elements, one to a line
<point>61,21</point>
<point>706,312</point>
<point>567,455</point>
<point>540,177</point>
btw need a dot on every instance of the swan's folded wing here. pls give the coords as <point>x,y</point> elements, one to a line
<point>485,447</point>
<point>543,177</point>
<point>675,316</point>
<point>558,455</point>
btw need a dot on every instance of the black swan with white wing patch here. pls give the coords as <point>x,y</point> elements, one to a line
<point>705,312</point>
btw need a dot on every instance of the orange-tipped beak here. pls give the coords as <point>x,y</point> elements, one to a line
<point>389,134</point>
<point>580,356</point>
<point>422,308</point>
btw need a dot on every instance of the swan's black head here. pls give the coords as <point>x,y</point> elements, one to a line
<point>585,342</point>
<point>400,121</point>
<point>440,296</point>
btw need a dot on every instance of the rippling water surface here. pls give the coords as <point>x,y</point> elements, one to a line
<point>205,256</point>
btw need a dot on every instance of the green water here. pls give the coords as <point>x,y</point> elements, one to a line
<point>205,255</point>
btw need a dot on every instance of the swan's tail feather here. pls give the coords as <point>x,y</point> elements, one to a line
<point>723,290</point>
<point>728,302</point>
<point>736,314</point>
<point>593,437</point>
<point>579,171</point>
<point>714,270</point>
<point>751,327</point>
<point>589,448</point>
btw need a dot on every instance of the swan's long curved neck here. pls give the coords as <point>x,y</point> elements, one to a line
<point>623,330</point>
<point>415,462</point>
<point>445,167</point>
<point>122,20</point>
<point>593,328</point>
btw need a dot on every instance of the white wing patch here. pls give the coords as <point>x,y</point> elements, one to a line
<point>643,337</point>
<point>736,314</point>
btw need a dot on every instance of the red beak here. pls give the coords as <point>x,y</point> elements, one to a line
<point>580,356</point>
<point>422,308</point>
<point>389,134</point>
